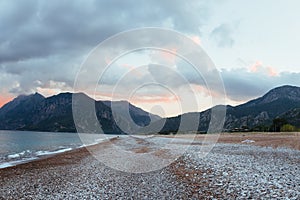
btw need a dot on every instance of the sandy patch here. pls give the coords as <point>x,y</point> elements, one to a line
<point>275,140</point>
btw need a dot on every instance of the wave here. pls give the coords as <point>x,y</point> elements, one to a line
<point>44,153</point>
<point>19,155</point>
<point>29,156</point>
<point>16,162</point>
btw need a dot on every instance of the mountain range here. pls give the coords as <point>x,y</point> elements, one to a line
<point>54,114</point>
<point>258,114</point>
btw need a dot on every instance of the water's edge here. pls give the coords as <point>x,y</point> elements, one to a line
<point>42,154</point>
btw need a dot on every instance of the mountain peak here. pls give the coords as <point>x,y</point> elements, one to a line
<point>23,100</point>
<point>54,113</point>
<point>284,88</point>
<point>286,91</point>
<point>24,96</point>
<point>283,92</point>
<point>37,95</point>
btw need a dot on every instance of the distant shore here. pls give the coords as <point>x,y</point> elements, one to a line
<point>271,139</point>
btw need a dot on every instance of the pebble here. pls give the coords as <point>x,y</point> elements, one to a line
<point>250,171</point>
<point>229,171</point>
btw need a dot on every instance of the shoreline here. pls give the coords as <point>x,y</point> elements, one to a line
<point>48,154</point>
<point>262,139</point>
<point>77,174</point>
<point>68,158</point>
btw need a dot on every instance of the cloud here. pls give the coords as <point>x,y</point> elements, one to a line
<point>244,84</point>
<point>259,67</point>
<point>27,76</point>
<point>48,40</point>
<point>223,35</point>
<point>41,28</point>
<point>43,43</point>
<point>196,39</point>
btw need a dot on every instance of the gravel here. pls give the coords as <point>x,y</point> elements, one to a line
<point>229,171</point>
<point>247,172</point>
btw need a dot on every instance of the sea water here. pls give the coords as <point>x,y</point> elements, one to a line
<point>23,146</point>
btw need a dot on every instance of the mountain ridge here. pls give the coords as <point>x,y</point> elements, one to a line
<point>36,112</point>
<point>254,114</point>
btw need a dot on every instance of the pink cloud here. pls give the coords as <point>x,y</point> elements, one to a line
<point>105,95</point>
<point>133,69</point>
<point>272,71</point>
<point>196,39</point>
<point>205,90</point>
<point>170,57</point>
<point>156,99</point>
<point>258,66</point>
<point>48,91</point>
<point>167,56</point>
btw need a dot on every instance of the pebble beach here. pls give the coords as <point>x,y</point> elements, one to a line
<point>231,170</point>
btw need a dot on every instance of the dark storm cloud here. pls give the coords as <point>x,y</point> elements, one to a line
<point>25,76</point>
<point>48,40</point>
<point>31,29</point>
<point>43,43</point>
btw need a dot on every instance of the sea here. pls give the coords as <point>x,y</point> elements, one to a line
<point>18,147</point>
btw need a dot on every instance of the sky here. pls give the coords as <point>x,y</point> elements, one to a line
<point>254,45</point>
